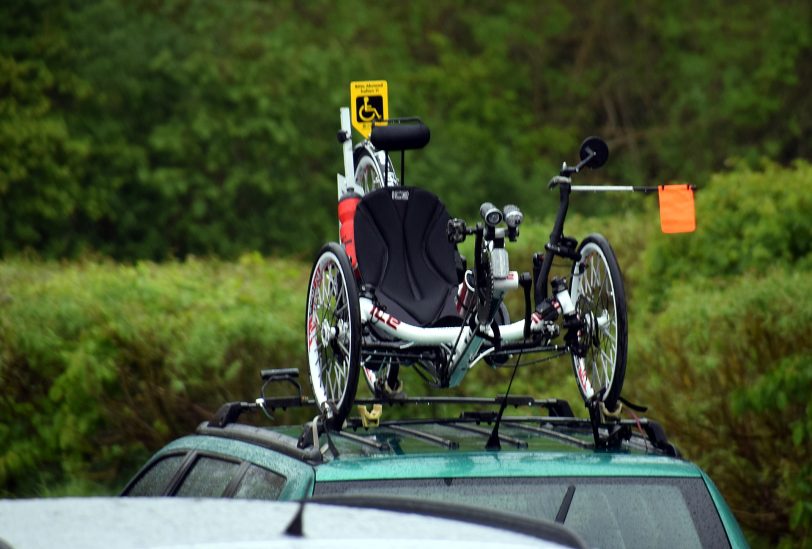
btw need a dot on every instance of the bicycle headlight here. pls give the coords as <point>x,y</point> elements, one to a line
<point>491,214</point>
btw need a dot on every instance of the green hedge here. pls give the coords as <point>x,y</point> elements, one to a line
<point>722,344</point>
<point>728,372</point>
<point>100,364</point>
<point>748,221</point>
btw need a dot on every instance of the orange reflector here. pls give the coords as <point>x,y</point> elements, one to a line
<point>677,213</point>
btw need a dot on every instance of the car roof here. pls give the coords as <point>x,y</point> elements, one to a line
<point>454,447</point>
<point>342,522</point>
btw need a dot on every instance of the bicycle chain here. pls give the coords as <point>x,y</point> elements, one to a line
<point>485,301</point>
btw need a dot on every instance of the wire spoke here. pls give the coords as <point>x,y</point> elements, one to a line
<point>329,324</point>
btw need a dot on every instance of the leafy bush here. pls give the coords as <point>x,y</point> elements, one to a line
<point>729,372</point>
<point>101,364</point>
<point>747,222</point>
<point>724,344</point>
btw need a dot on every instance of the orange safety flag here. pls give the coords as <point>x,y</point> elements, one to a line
<point>677,214</point>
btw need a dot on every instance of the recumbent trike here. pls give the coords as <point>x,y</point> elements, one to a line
<point>397,293</point>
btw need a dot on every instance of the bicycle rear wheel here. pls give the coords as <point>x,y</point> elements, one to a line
<point>369,172</point>
<point>596,287</point>
<point>333,324</point>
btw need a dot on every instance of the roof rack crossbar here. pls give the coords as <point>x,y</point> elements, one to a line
<point>518,443</point>
<point>548,432</point>
<point>381,446</point>
<point>444,442</point>
<point>284,403</point>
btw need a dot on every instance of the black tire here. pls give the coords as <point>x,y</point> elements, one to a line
<point>369,172</point>
<point>333,333</point>
<point>600,300</point>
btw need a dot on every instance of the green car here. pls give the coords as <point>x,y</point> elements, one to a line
<point>616,483</point>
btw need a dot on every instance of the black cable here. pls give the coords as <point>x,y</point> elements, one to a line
<point>493,441</point>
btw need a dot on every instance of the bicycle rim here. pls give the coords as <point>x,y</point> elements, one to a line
<point>368,172</point>
<point>600,301</point>
<point>333,327</point>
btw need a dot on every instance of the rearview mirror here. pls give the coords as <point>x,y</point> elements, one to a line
<point>597,149</point>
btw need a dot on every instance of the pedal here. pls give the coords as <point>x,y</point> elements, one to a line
<point>370,418</point>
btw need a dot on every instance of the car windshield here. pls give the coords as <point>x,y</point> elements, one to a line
<point>624,512</point>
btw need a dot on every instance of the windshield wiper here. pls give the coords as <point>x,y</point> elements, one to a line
<point>561,515</point>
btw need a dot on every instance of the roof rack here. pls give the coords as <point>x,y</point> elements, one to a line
<point>608,433</point>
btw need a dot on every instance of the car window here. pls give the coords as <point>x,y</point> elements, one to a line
<point>155,480</point>
<point>259,483</point>
<point>208,477</point>
<point>607,512</point>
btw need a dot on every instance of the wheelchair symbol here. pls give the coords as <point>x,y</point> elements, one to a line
<point>370,108</point>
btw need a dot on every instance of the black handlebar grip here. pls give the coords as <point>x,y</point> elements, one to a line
<point>456,230</point>
<point>513,216</point>
<point>491,214</point>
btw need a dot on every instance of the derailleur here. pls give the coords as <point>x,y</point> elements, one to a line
<point>578,337</point>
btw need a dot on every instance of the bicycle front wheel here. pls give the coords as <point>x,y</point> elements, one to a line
<point>333,323</point>
<point>596,287</point>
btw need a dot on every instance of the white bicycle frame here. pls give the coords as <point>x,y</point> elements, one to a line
<point>467,341</point>
<point>346,182</point>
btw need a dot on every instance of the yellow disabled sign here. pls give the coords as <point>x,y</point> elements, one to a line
<point>369,102</point>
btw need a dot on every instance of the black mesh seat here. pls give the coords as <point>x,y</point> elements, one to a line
<point>404,254</point>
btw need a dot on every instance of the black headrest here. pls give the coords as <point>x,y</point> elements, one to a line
<point>400,136</point>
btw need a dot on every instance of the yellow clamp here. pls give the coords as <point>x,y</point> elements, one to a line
<point>370,418</point>
<point>611,415</point>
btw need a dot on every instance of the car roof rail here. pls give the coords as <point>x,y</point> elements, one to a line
<point>284,444</point>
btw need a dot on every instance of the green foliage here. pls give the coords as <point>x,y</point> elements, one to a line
<point>154,130</point>
<point>748,221</point>
<point>101,364</point>
<point>144,129</point>
<point>724,344</point>
<point>729,372</point>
